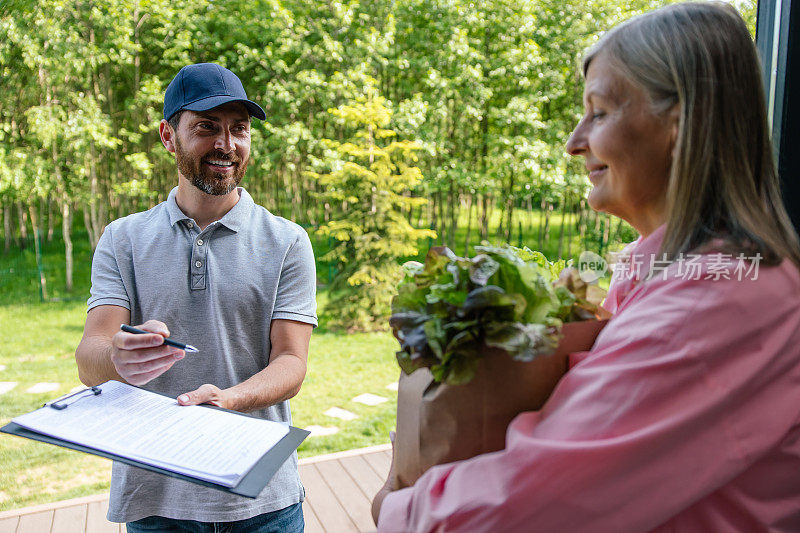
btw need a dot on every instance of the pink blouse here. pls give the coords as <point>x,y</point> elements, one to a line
<point>685,416</point>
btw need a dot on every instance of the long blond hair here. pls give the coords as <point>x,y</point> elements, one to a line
<point>723,182</point>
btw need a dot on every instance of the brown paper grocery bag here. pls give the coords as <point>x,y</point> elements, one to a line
<point>438,423</point>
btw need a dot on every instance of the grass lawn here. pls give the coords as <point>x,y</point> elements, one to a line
<point>39,342</point>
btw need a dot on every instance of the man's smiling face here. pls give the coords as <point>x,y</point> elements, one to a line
<point>212,148</point>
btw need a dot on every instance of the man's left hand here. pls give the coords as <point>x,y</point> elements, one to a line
<point>207,393</point>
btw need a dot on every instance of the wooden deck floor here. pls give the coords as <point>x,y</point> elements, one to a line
<point>339,489</point>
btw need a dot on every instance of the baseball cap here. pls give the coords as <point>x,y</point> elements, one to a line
<point>203,86</point>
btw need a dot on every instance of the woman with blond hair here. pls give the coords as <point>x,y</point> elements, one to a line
<point>685,416</point>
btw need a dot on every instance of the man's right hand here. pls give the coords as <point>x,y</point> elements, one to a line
<point>140,358</point>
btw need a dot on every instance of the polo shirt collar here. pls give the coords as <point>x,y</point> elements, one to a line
<point>239,214</point>
<point>233,219</point>
<point>174,212</point>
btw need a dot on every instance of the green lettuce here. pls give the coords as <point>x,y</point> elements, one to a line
<point>450,309</point>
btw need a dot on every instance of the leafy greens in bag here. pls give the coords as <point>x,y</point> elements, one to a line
<point>449,310</point>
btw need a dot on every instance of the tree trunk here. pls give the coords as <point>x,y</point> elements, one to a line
<point>510,206</point>
<point>432,214</point>
<point>294,192</point>
<point>529,203</point>
<point>66,225</point>
<point>90,215</point>
<point>87,223</point>
<point>22,215</point>
<point>484,133</point>
<point>100,223</point>
<point>500,221</point>
<point>453,208</point>
<point>484,216</point>
<point>95,215</point>
<point>38,248</point>
<point>66,216</point>
<point>542,218</point>
<point>50,220</point>
<point>442,218</point>
<point>563,223</point>
<point>617,230</point>
<point>38,223</point>
<point>7,229</point>
<point>469,224</point>
<point>606,233</point>
<point>312,207</point>
<point>547,212</point>
<point>569,233</point>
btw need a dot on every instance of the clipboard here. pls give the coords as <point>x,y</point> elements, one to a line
<point>250,486</point>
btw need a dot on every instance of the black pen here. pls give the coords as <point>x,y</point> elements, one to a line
<point>168,342</point>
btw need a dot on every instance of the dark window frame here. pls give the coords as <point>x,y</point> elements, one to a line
<point>778,22</point>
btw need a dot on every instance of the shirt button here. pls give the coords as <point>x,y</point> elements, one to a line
<point>189,225</point>
<point>198,264</point>
<point>199,242</point>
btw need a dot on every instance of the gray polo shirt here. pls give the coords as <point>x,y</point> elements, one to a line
<point>217,289</point>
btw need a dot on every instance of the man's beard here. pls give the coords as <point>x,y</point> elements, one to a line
<point>205,179</point>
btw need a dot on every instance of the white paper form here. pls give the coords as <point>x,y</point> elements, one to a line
<point>208,444</point>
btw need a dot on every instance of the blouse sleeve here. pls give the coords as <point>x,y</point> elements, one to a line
<point>691,383</point>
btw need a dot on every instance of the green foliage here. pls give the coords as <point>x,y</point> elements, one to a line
<point>371,179</point>
<point>748,9</point>
<point>450,310</point>
<point>488,90</point>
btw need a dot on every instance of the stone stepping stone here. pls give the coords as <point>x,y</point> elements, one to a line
<point>321,431</point>
<point>39,388</point>
<point>6,386</point>
<point>392,386</point>
<point>369,399</point>
<point>343,414</point>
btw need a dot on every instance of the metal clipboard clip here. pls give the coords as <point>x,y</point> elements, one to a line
<point>66,401</point>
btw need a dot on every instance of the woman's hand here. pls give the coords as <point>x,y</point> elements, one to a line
<point>387,488</point>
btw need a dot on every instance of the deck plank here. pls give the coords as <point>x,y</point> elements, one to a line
<point>9,525</point>
<point>380,462</point>
<point>365,477</point>
<point>340,488</point>
<point>35,522</point>
<point>351,498</point>
<point>70,519</point>
<point>328,509</point>
<point>311,520</point>
<point>96,521</point>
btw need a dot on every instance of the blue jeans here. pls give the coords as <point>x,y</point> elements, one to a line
<point>288,520</point>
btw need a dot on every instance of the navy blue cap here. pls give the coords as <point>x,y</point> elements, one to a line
<point>204,86</point>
